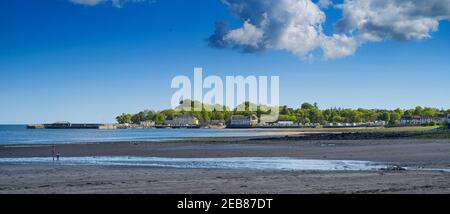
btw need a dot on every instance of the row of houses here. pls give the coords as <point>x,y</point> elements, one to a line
<point>417,120</point>
<point>236,121</point>
<point>243,121</point>
<point>191,121</point>
<point>356,125</point>
<point>182,120</point>
<point>287,124</point>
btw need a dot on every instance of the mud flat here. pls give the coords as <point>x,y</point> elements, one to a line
<point>426,161</point>
<point>115,179</point>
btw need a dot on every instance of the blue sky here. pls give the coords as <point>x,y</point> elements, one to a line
<point>66,61</point>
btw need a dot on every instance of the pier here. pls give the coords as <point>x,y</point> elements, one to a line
<point>67,125</point>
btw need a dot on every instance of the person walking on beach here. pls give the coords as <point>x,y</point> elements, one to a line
<point>53,152</point>
<point>57,156</point>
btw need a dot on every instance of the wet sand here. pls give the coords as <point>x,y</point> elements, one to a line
<point>421,153</point>
<point>98,179</point>
<point>405,152</point>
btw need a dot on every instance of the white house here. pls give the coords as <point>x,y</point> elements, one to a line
<point>424,120</point>
<point>183,120</point>
<point>243,121</point>
<point>285,123</point>
<point>416,120</point>
<point>217,123</point>
<point>408,120</point>
<point>147,124</point>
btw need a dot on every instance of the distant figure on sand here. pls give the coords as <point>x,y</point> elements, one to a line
<point>53,152</point>
<point>57,156</point>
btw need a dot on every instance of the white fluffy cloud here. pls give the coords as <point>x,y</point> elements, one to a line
<point>291,25</point>
<point>296,25</point>
<point>247,35</point>
<point>402,20</point>
<point>116,3</point>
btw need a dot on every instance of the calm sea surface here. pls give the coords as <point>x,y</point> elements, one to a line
<point>19,134</point>
<point>244,163</point>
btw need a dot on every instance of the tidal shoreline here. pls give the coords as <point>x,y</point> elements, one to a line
<point>139,180</point>
<point>402,151</point>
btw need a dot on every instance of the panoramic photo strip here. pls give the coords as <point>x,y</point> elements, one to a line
<point>225,105</point>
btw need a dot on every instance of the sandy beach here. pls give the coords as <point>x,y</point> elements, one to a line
<point>97,179</point>
<point>426,156</point>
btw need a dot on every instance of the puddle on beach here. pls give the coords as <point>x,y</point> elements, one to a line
<point>245,163</point>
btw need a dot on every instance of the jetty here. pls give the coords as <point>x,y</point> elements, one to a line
<point>67,125</point>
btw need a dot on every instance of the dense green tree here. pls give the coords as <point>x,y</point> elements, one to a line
<point>307,113</point>
<point>409,112</point>
<point>137,118</point>
<point>337,119</point>
<point>395,118</point>
<point>302,116</point>
<point>149,115</point>
<point>399,111</point>
<point>287,118</point>
<point>315,115</point>
<point>386,116</point>
<point>368,115</point>
<point>307,106</point>
<point>284,110</point>
<point>170,113</point>
<point>159,118</point>
<point>418,110</point>
<point>206,115</point>
<point>124,118</point>
<point>430,112</point>
<point>218,115</point>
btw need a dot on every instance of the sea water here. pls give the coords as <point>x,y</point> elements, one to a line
<point>239,163</point>
<point>19,134</point>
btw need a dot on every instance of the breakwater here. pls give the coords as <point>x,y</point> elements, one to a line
<point>71,126</point>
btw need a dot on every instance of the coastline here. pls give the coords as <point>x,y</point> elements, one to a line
<point>404,151</point>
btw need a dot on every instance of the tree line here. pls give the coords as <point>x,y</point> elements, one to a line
<point>307,113</point>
